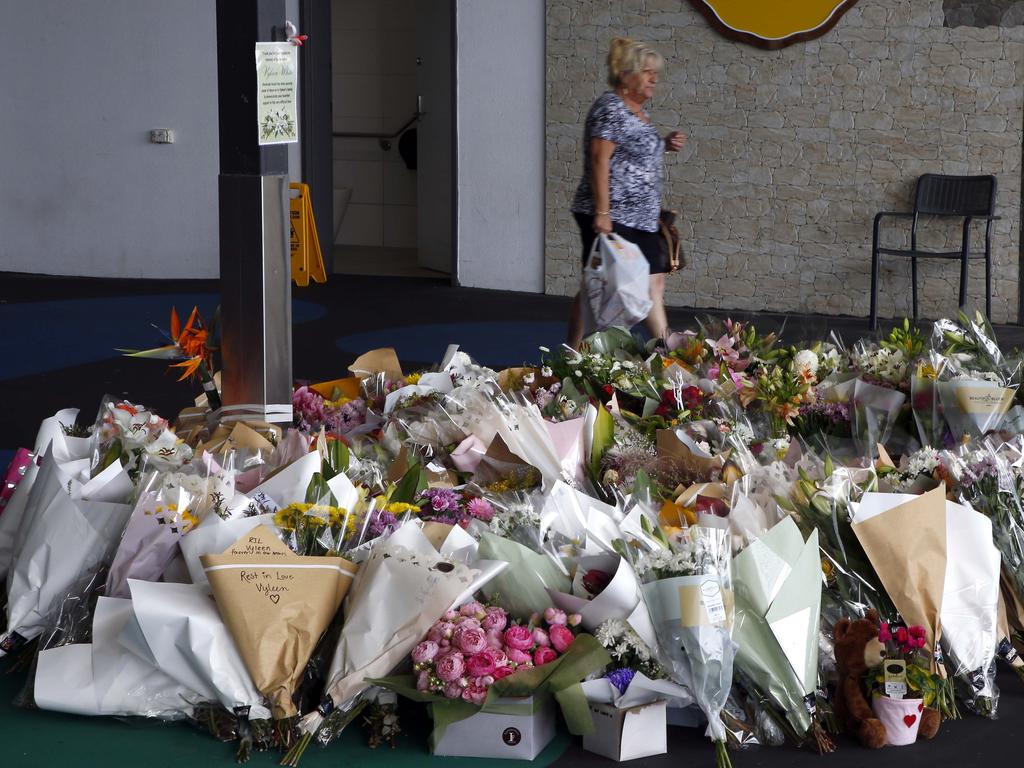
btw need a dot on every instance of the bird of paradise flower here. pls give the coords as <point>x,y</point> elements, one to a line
<point>193,348</point>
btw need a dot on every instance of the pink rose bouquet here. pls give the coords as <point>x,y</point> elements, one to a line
<point>467,650</point>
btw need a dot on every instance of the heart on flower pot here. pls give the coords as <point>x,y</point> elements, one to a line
<point>899,716</point>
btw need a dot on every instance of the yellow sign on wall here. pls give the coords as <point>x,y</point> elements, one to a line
<point>307,260</point>
<point>773,23</point>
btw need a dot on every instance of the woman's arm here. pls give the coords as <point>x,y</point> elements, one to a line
<point>600,160</point>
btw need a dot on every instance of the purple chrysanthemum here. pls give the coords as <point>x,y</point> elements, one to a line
<point>621,678</point>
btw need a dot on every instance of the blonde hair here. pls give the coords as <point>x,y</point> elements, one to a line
<point>627,56</point>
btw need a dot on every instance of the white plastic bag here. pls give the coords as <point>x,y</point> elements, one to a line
<point>616,285</point>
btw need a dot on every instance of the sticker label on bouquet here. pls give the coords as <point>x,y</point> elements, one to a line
<point>895,678</point>
<point>982,400</point>
<point>711,596</point>
<point>701,603</point>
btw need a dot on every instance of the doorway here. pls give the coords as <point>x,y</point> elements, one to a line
<point>392,138</point>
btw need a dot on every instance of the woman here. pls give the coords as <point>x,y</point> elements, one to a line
<point>621,187</point>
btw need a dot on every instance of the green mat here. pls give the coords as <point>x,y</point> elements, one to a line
<point>31,738</point>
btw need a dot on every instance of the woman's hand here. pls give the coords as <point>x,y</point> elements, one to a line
<point>603,224</point>
<point>675,141</point>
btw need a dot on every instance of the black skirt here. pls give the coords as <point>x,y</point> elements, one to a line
<point>648,242</point>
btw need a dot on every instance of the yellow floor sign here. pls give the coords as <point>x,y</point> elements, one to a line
<point>307,260</point>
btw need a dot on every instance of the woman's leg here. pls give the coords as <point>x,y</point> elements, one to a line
<point>576,323</point>
<point>587,237</point>
<point>657,321</point>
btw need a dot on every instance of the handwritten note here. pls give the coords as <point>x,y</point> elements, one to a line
<point>268,583</point>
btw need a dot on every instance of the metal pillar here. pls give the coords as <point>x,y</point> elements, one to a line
<point>255,270</point>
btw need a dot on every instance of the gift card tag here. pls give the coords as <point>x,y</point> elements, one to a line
<point>895,678</point>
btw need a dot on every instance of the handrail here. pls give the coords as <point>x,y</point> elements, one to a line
<point>362,135</point>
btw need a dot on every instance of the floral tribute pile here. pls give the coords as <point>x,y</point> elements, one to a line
<point>716,519</point>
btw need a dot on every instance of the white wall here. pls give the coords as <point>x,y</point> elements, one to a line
<point>83,192</point>
<point>500,154</point>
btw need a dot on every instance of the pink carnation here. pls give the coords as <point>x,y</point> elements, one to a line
<point>496,618</point>
<point>450,667</point>
<point>555,616</point>
<point>425,651</point>
<point>519,637</point>
<point>480,664</point>
<point>474,694</point>
<point>544,655</point>
<point>469,640</point>
<point>561,637</point>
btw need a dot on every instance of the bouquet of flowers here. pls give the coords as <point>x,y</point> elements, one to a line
<point>938,563</point>
<point>778,610</point>
<point>688,590</point>
<point>472,657</point>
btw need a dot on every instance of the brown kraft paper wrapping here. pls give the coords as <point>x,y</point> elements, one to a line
<point>907,547</point>
<point>277,605</point>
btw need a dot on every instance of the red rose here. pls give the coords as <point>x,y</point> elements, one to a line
<point>519,638</point>
<point>544,655</point>
<point>561,637</point>
<point>595,581</point>
<point>501,672</point>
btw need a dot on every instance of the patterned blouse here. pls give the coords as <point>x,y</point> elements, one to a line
<point>635,168</point>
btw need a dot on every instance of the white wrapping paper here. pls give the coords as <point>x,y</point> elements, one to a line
<point>641,690</point>
<point>401,589</point>
<point>63,535</point>
<point>191,643</point>
<point>620,599</point>
<point>102,678</point>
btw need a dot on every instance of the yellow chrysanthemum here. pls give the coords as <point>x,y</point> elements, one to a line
<point>413,378</point>
<point>397,508</point>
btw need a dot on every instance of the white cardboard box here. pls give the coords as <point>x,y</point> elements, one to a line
<point>488,734</point>
<point>626,734</point>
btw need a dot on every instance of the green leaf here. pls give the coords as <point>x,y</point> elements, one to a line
<point>602,439</point>
<point>410,486</point>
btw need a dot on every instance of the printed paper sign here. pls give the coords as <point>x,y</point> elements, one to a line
<point>277,78</point>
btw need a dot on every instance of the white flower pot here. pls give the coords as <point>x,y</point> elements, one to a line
<point>901,718</point>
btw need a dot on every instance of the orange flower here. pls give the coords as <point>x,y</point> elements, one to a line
<point>192,340</point>
<point>788,412</point>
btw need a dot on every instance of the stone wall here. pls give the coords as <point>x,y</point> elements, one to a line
<point>792,152</point>
<point>983,13</point>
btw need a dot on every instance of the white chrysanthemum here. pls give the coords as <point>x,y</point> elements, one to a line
<point>806,361</point>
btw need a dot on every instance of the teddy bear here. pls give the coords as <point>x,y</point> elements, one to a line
<point>857,650</point>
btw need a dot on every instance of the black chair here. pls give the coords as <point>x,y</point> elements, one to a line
<point>969,197</point>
